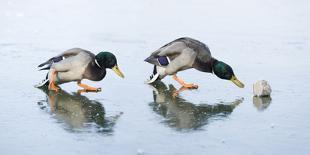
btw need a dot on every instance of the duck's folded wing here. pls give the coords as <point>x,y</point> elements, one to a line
<point>173,48</point>
<point>171,51</point>
<point>66,54</point>
<point>184,61</point>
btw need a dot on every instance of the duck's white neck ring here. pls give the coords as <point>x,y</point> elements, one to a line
<point>97,63</point>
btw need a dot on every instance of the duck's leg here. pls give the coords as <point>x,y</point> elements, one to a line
<point>87,88</point>
<point>186,85</point>
<point>51,85</point>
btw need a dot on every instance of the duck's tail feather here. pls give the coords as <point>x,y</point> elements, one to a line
<point>158,74</point>
<point>160,62</point>
<point>44,82</point>
<point>46,68</point>
<point>44,63</point>
<point>48,65</point>
<point>50,62</point>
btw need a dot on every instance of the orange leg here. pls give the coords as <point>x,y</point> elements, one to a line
<point>51,85</point>
<point>87,88</point>
<point>181,82</point>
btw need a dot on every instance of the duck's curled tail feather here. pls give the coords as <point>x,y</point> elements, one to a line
<point>158,74</point>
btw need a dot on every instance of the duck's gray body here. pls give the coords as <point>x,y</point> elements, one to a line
<point>74,65</point>
<point>183,53</point>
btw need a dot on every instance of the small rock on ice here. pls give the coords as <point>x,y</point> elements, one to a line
<point>261,88</point>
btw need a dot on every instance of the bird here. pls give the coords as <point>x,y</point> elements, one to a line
<point>77,64</point>
<point>186,53</point>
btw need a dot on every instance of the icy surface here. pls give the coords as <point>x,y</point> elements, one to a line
<point>260,39</point>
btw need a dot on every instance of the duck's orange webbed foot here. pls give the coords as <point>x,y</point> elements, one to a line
<point>186,85</point>
<point>87,88</point>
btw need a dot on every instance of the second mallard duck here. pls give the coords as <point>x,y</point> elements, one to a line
<point>186,53</point>
<point>77,64</point>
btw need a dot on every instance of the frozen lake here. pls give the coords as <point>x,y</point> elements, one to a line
<point>260,39</point>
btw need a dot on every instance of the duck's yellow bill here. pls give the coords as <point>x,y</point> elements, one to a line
<point>236,82</point>
<point>117,71</point>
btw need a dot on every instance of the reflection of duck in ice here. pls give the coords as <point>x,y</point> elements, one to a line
<point>77,111</point>
<point>182,114</point>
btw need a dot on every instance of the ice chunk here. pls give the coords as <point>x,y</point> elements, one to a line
<point>261,88</point>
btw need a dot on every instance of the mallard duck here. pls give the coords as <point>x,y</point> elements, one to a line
<point>185,53</point>
<point>77,64</point>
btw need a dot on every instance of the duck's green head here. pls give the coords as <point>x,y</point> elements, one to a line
<point>224,71</point>
<point>108,60</point>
